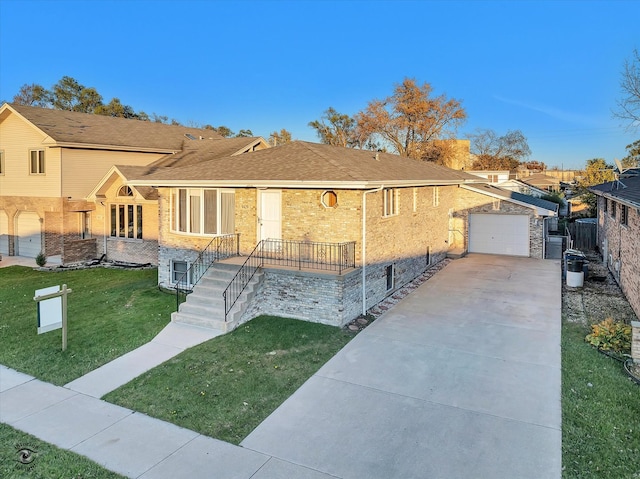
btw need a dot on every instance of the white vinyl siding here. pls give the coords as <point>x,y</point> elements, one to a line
<point>18,137</point>
<point>83,169</point>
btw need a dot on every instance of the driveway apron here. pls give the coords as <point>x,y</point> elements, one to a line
<point>461,379</point>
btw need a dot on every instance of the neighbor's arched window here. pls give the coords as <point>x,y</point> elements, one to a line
<point>329,199</point>
<point>125,191</point>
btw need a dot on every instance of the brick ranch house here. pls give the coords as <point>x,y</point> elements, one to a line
<point>619,232</point>
<point>51,159</point>
<point>401,216</point>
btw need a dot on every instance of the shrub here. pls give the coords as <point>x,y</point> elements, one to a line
<point>41,259</point>
<point>610,335</point>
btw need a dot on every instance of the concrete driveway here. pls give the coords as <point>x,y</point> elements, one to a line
<point>459,380</point>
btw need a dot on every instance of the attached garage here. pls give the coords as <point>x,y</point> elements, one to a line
<point>499,234</point>
<point>4,233</point>
<point>29,234</point>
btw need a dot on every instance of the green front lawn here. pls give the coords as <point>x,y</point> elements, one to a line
<point>23,456</point>
<point>111,312</point>
<point>227,386</point>
<point>600,412</point>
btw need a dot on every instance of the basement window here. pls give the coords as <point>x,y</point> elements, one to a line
<point>178,270</point>
<point>329,199</point>
<point>390,273</point>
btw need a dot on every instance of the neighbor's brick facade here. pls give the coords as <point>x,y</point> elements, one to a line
<point>622,248</point>
<point>60,221</point>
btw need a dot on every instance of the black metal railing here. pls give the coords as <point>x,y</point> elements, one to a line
<point>310,255</point>
<point>219,248</point>
<point>297,254</point>
<point>242,278</point>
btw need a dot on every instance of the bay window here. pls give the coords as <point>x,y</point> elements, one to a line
<point>203,211</point>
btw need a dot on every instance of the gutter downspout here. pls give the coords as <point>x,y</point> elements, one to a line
<point>364,247</point>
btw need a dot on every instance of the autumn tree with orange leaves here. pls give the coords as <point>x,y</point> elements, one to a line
<point>410,120</point>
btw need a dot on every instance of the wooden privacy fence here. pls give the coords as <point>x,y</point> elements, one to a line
<point>583,234</point>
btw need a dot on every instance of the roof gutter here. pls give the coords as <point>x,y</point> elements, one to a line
<point>364,246</point>
<point>291,184</point>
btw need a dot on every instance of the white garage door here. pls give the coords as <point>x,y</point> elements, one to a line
<point>29,234</point>
<point>4,233</point>
<point>499,234</point>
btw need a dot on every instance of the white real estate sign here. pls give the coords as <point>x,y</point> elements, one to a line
<point>49,310</point>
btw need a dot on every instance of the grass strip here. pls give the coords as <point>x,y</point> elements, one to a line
<point>23,456</point>
<point>227,386</point>
<point>110,312</point>
<point>600,412</point>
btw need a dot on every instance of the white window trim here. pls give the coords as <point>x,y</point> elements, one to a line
<point>135,222</point>
<point>415,200</point>
<point>393,192</point>
<point>175,211</point>
<point>44,162</point>
<point>325,192</point>
<point>436,196</point>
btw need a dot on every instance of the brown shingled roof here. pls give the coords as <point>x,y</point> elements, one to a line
<point>198,151</point>
<point>69,127</point>
<point>298,163</point>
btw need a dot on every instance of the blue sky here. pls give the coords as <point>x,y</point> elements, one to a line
<point>549,68</point>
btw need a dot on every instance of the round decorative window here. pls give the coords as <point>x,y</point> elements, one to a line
<point>329,199</point>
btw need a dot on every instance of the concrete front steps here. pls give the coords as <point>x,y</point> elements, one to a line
<point>204,306</point>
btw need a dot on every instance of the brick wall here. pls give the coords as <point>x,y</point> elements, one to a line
<point>78,250</point>
<point>622,249</point>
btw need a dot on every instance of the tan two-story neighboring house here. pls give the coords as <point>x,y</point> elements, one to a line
<point>50,160</point>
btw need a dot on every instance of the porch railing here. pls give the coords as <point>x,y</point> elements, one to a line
<point>297,254</point>
<point>219,248</point>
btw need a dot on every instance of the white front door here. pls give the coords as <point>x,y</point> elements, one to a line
<point>270,214</point>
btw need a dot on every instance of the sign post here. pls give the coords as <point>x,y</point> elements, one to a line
<point>52,310</point>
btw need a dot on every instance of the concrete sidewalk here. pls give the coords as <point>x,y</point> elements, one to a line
<point>170,342</point>
<point>460,379</point>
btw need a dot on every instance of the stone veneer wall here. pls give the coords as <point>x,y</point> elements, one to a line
<point>325,298</point>
<point>623,249</point>
<point>132,250</point>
